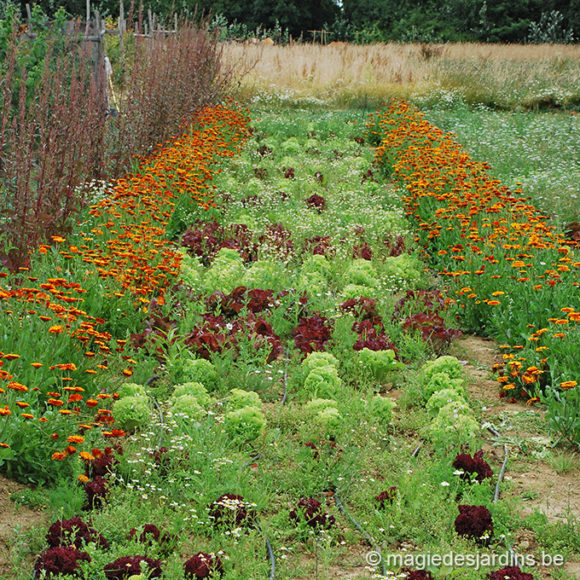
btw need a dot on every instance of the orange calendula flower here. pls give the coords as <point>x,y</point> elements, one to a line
<point>55,402</point>
<point>11,356</point>
<point>5,411</point>
<point>127,372</point>
<point>58,456</point>
<point>36,365</point>
<point>4,445</point>
<point>22,404</point>
<point>64,367</point>
<point>75,439</point>
<point>58,239</point>
<point>91,403</point>
<point>27,415</point>
<point>83,478</point>
<point>86,456</point>
<point>568,384</point>
<point>56,329</point>
<point>493,302</point>
<point>17,387</point>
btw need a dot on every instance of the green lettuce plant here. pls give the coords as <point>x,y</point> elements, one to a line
<point>380,363</point>
<point>225,272</point>
<point>187,405</point>
<point>238,399</point>
<point>318,359</point>
<point>132,413</point>
<point>454,424</point>
<point>197,370</point>
<point>132,390</point>
<point>381,409</point>
<point>245,424</point>
<point>441,381</point>
<point>193,389</point>
<point>441,398</point>
<point>322,381</point>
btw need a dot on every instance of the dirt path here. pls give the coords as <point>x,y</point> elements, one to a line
<point>13,518</point>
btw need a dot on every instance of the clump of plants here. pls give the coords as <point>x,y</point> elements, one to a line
<point>232,511</point>
<point>74,532</point>
<point>474,522</point>
<point>132,413</point>
<point>473,467</point>
<point>203,565</point>
<point>386,497</point>
<point>378,363</point>
<point>65,560</point>
<point>322,382</point>
<point>127,566</point>
<point>311,512</point>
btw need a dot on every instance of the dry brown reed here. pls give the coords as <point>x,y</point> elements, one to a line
<point>345,74</point>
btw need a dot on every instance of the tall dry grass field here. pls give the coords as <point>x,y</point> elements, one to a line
<point>504,76</point>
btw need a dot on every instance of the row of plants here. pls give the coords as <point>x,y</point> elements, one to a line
<point>513,275</point>
<point>251,388</point>
<point>65,318</point>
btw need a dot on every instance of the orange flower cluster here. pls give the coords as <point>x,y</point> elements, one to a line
<point>126,242</point>
<point>508,266</point>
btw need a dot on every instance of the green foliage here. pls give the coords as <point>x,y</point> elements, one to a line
<point>362,273</point>
<point>225,272</point>
<point>132,413</point>
<point>197,371</point>
<point>239,398</point>
<point>132,390</point>
<point>245,424</point>
<point>405,270</point>
<point>454,424</point>
<point>322,381</point>
<point>442,381</point>
<point>381,409</point>
<point>444,364</point>
<point>380,363</point>
<point>318,359</point>
<point>441,398</point>
<point>325,414</point>
<point>265,274</point>
<point>187,405</point>
<point>193,389</point>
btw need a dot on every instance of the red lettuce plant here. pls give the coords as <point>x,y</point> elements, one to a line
<point>509,573</point>
<point>317,202</point>
<point>102,463</point>
<point>127,566</point>
<point>312,334</point>
<point>60,560</point>
<point>319,245</point>
<point>362,251</point>
<point>73,532</point>
<point>474,521</point>
<point>388,495</point>
<point>310,510</point>
<point>232,511</point>
<point>203,565</point>
<point>96,492</point>
<point>475,465</point>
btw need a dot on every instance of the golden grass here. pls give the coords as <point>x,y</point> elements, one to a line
<point>346,74</point>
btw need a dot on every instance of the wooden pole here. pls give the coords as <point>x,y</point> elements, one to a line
<point>121,25</point>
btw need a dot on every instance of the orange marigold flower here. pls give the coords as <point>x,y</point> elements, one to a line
<point>83,478</point>
<point>91,372</point>
<point>568,384</point>
<point>58,456</point>
<point>493,302</point>
<point>27,415</point>
<point>75,439</point>
<point>103,396</point>
<point>58,239</point>
<point>127,372</point>
<point>91,403</point>
<point>36,365</point>
<point>70,450</point>
<point>55,402</point>
<point>17,386</point>
<point>509,386</point>
<point>6,411</point>
<point>22,404</point>
<point>11,356</point>
<point>56,329</point>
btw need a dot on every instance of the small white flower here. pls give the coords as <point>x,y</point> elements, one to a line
<point>445,483</point>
